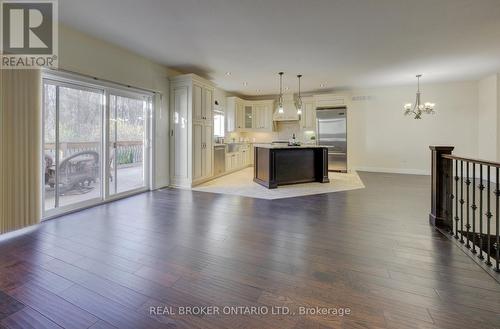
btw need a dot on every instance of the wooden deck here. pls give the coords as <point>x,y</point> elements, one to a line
<point>369,250</point>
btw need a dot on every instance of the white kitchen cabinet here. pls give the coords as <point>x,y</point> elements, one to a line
<point>308,117</point>
<point>208,104</point>
<point>244,158</point>
<point>240,116</point>
<point>233,161</point>
<point>198,151</point>
<point>228,162</point>
<point>263,115</point>
<point>331,100</point>
<point>248,116</point>
<point>251,151</point>
<point>208,151</point>
<point>191,135</point>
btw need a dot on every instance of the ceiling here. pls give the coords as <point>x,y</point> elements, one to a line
<point>333,43</point>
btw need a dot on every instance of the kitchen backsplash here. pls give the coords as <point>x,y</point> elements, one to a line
<point>285,130</point>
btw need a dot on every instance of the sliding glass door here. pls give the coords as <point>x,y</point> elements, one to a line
<point>128,123</point>
<point>72,149</point>
<point>78,120</point>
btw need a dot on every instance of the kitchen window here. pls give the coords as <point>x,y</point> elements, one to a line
<point>218,123</point>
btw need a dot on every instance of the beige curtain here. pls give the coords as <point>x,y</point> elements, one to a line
<point>20,153</point>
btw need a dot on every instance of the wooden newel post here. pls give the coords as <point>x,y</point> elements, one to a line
<point>442,187</point>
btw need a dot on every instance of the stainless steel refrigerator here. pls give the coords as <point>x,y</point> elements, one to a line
<point>332,133</point>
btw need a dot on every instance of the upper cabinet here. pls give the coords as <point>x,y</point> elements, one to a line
<point>244,115</point>
<point>202,103</point>
<point>331,100</point>
<point>308,117</point>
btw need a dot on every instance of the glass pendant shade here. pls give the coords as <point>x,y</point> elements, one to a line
<point>298,103</point>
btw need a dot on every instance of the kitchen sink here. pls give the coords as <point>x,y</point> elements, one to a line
<point>233,147</point>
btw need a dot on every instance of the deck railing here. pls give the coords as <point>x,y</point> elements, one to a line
<point>127,152</point>
<point>465,203</point>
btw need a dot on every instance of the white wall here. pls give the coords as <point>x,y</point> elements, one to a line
<point>488,118</point>
<point>380,138</point>
<point>86,55</point>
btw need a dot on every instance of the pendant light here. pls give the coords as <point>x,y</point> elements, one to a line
<point>418,108</point>
<point>280,100</point>
<point>298,103</point>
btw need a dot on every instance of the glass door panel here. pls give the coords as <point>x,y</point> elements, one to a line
<point>79,145</point>
<point>72,157</point>
<point>127,143</point>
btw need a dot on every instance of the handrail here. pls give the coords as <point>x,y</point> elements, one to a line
<point>465,204</point>
<point>477,161</point>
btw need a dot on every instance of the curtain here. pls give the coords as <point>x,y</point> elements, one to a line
<point>20,148</point>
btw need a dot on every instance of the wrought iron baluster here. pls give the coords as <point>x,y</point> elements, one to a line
<point>488,218</point>
<point>497,243</point>
<point>467,183</point>
<point>481,188</point>
<point>473,207</point>
<point>456,199</point>
<point>462,201</point>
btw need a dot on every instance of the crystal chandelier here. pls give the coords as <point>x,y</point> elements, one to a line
<point>298,103</point>
<point>418,108</point>
<point>280,100</point>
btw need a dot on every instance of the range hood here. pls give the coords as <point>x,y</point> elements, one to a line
<point>289,110</point>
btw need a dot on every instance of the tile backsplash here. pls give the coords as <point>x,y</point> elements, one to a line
<point>284,131</point>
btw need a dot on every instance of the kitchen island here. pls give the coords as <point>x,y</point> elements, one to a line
<point>277,164</point>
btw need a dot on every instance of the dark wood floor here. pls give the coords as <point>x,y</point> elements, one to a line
<point>370,250</point>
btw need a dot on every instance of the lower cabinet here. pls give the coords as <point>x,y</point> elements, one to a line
<point>202,151</point>
<point>239,160</point>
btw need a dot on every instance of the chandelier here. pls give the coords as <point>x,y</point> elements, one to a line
<point>418,108</point>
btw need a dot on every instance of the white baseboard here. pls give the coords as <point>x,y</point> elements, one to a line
<point>394,170</point>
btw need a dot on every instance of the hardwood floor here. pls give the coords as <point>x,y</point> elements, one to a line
<point>369,250</point>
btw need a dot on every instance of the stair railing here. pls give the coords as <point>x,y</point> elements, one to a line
<point>465,203</point>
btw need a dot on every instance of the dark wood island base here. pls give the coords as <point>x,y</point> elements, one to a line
<point>281,165</point>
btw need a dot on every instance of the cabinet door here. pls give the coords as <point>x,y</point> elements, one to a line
<point>198,156</point>
<point>208,151</point>
<point>248,116</point>
<point>244,158</point>
<point>308,117</point>
<point>259,117</point>
<point>251,151</point>
<point>197,103</point>
<point>267,117</point>
<point>240,117</point>
<point>208,105</point>
<point>228,162</point>
<point>234,161</point>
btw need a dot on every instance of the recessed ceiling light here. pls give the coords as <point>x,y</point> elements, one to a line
<point>228,73</point>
